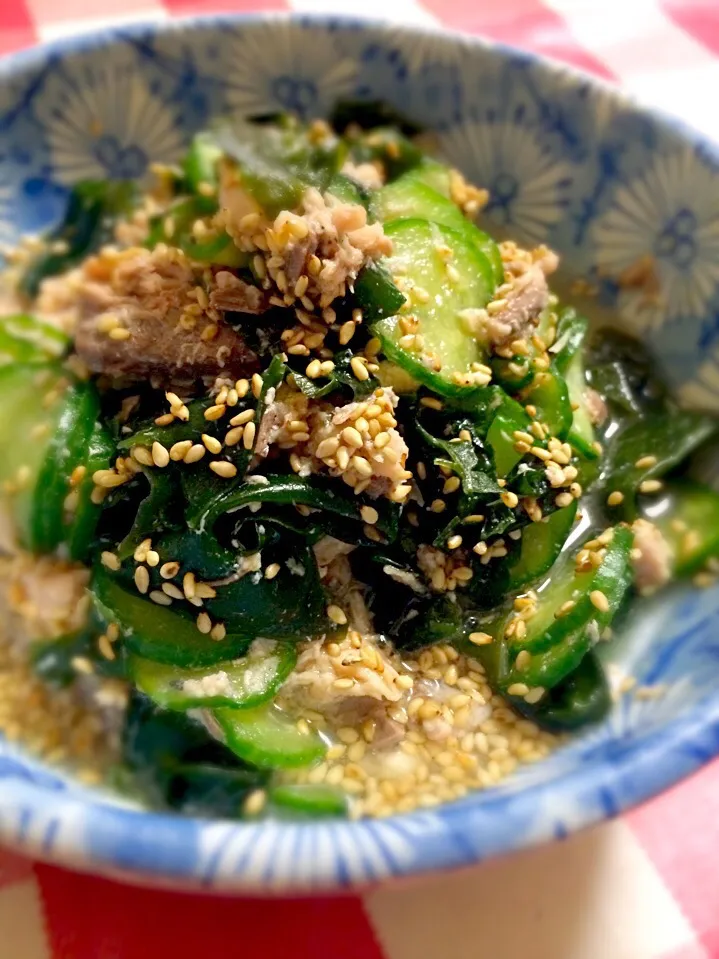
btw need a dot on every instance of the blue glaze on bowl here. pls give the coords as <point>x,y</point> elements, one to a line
<point>568,162</point>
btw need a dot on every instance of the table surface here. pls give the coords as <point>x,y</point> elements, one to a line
<point>645,886</point>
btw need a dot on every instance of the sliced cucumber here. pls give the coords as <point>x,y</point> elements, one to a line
<point>23,339</point>
<point>417,258</point>
<point>582,698</point>
<point>158,633</point>
<point>510,416</point>
<point>548,392</point>
<point>433,174</point>
<point>268,738</point>
<point>29,422</point>
<point>67,449</point>
<point>346,189</point>
<point>541,544</point>
<point>581,434</point>
<point>557,644</point>
<point>310,800</point>
<point>81,531</point>
<point>408,197</point>
<point>200,163</point>
<point>691,525</point>
<point>239,684</point>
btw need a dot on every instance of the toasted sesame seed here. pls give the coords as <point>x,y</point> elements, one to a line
<point>233,436</point>
<point>211,443</point>
<point>142,579</point>
<point>650,486</point>
<point>336,614</point>
<point>109,560</point>
<point>451,485</point>
<point>218,632</point>
<point>223,468</point>
<point>119,333</point>
<point>189,585</point>
<point>160,456</point>
<point>108,479</point>
<point>204,623</point>
<point>563,499</point>
<point>352,437</point>
<point>195,453</point>
<point>518,689</point>
<point>152,557</point>
<point>347,331</point>
<point>599,600</point>
<point>454,542</point>
<point>438,506</point>
<point>480,639</point>
<point>169,589</point>
<point>215,412</point>
<point>359,368</point>
<point>646,462</point>
<point>272,570</point>
<point>241,418</point>
<point>615,498</point>
<point>369,514</point>
<point>169,570</point>
<point>248,437</point>
<point>142,455</point>
<point>510,499</point>
<point>361,466</point>
<point>179,450</point>
<point>524,658</point>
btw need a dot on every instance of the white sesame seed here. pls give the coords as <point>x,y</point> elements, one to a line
<point>223,468</point>
<point>650,486</point>
<point>142,579</point>
<point>337,615</point>
<point>157,596</point>
<point>195,453</point>
<point>160,456</point>
<point>211,443</point>
<point>599,600</point>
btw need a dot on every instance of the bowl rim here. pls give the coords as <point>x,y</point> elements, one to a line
<point>691,740</point>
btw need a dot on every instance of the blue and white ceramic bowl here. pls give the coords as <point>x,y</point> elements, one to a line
<point>568,162</point>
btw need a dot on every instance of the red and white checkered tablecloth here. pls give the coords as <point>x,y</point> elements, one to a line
<point>645,886</point>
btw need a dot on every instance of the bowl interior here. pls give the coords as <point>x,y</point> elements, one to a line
<point>568,163</point>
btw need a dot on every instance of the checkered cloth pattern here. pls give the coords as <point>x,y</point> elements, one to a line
<point>645,886</point>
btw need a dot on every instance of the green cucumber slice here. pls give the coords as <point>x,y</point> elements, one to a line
<point>581,434</point>
<point>26,432</point>
<point>690,524</point>
<point>268,738</point>
<point>408,197</point>
<point>417,259</point>
<point>200,163</point>
<point>310,800</point>
<point>510,416</point>
<point>582,698</point>
<point>23,339</point>
<point>239,684</point>
<point>433,174</point>
<point>158,633</point>
<point>557,645</point>
<point>86,515</point>
<point>541,544</point>
<point>66,450</point>
<point>549,393</point>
